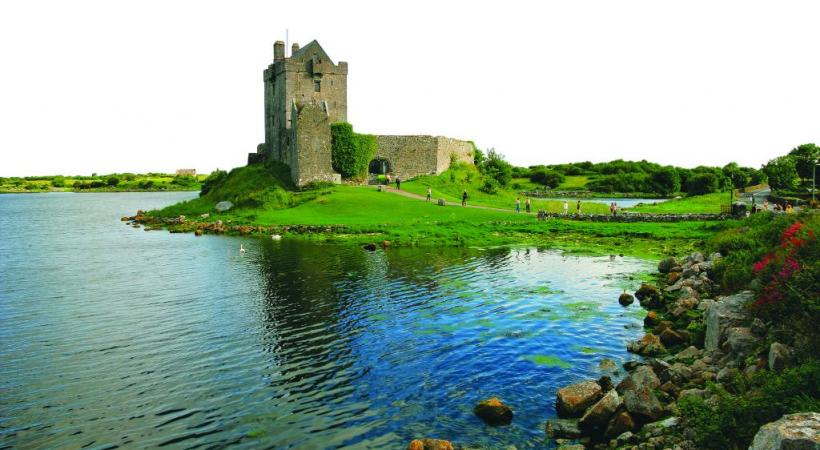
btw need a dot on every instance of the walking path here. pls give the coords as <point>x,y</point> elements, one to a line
<point>393,190</point>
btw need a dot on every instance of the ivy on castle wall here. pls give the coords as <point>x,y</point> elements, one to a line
<point>351,152</point>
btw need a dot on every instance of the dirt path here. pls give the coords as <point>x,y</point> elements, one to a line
<point>393,190</point>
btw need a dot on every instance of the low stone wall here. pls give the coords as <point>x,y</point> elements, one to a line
<point>543,215</point>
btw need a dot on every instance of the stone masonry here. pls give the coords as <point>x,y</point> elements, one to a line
<point>304,94</point>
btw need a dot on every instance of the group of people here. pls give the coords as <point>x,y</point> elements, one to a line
<point>787,208</point>
<point>527,204</point>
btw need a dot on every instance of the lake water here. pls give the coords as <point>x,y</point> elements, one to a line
<point>622,202</point>
<point>111,336</point>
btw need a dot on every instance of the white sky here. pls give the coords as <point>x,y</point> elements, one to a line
<point>159,85</point>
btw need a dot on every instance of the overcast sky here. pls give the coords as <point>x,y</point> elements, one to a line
<point>159,85</point>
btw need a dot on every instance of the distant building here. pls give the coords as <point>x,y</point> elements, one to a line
<point>306,93</point>
<point>189,172</point>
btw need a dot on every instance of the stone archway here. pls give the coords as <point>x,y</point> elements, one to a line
<point>379,166</point>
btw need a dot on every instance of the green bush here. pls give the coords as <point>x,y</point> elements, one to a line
<point>735,419</point>
<point>490,186</point>
<point>547,177</point>
<point>496,167</point>
<point>351,152</point>
<point>112,181</point>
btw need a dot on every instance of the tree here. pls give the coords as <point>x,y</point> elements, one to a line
<point>702,183</point>
<point>478,157</point>
<point>782,172</point>
<point>805,157</point>
<point>497,167</point>
<point>112,181</point>
<point>665,181</point>
<point>738,176</point>
<point>547,177</point>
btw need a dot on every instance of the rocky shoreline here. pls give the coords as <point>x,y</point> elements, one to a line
<point>693,337</point>
<point>182,224</point>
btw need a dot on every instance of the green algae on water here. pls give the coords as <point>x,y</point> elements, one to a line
<point>547,360</point>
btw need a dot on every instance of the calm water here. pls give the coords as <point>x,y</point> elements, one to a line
<point>622,202</point>
<point>112,336</point>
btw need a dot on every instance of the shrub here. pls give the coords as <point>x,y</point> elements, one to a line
<point>351,152</point>
<point>702,183</point>
<point>497,168</point>
<point>112,181</point>
<point>490,186</point>
<point>547,177</point>
<point>58,181</point>
<point>734,420</point>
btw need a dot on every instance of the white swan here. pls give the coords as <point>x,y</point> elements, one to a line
<point>241,249</point>
<point>276,237</point>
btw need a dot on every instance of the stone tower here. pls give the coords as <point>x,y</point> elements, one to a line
<point>304,94</point>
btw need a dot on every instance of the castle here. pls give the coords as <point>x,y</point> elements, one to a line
<point>307,92</point>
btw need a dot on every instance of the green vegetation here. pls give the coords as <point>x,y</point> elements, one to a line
<point>351,152</point>
<point>778,257</point>
<point>708,204</point>
<point>734,420</point>
<point>116,182</point>
<point>361,214</point>
<point>547,361</point>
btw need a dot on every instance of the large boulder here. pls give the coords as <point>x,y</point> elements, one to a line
<point>642,403</point>
<point>574,399</point>
<point>620,423</point>
<point>779,356</point>
<point>740,341</point>
<point>666,265</point>
<point>649,345</point>
<point>645,376</point>
<point>792,432</point>
<point>625,299</point>
<point>648,295</point>
<point>563,429</point>
<point>721,315</point>
<point>597,416</point>
<point>494,412</point>
<point>223,206</point>
<point>429,444</point>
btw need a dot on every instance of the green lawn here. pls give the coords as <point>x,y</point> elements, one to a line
<point>574,183</point>
<point>709,203</point>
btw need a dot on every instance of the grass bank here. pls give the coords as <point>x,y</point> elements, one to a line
<point>362,214</point>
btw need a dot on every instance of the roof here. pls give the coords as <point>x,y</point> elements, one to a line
<point>309,50</point>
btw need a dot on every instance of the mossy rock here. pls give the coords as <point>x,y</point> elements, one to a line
<point>494,412</point>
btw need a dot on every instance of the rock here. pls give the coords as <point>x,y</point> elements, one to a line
<point>658,428</point>
<point>494,412</point>
<point>740,341</point>
<point>724,314</point>
<point>689,353</point>
<point>758,327</point>
<point>124,219</point>
<point>666,265</point>
<point>623,439</point>
<point>606,383</point>
<point>205,216</point>
<point>369,247</point>
<point>198,232</point>
<point>694,258</point>
<point>608,365</point>
<point>687,292</point>
<point>645,376</point>
<point>597,416</point>
<point>648,295</point>
<point>651,319</point>
<point>572,447</point>
<point>791,432</point>
<point>386,244</point>
<point>672,337</point>
<point>642,403</point>
<point>696,392</point>
<point>670,388</point>
<point>223,206</point>
<point>779,356</point>
<point>629,366</point>
<point>441,202</point>
<point>673,277</point>
<point>649,345</point>
<point>620,424</point>
<point>626,299</point>
<point>680,373</point>
<point>661,368</point>
<point>563,429</point>
<point>715,256</point>
<point>429,444</point>
<point>574,399</point>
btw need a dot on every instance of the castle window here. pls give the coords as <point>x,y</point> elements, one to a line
<point>317,85</point>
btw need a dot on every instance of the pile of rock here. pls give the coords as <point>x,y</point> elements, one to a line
<point>630,218</point>
<point>693,338</point>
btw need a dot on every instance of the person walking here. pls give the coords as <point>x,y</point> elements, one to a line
<point>429,193</point>
<point>614,209</point>
<point>527,205</point>
<point>398,183</point>
<point>387,179</point>
<point>566,207</point>
<point>517,205</point>
<point>464,198</point>
<point>578,208</point>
